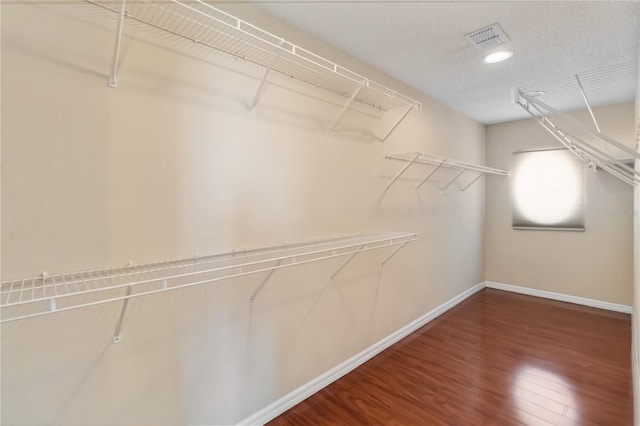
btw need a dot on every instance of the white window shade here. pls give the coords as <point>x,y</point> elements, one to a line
<point>547,190</point>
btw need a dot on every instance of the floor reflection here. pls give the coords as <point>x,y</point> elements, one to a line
<point>542,398</point>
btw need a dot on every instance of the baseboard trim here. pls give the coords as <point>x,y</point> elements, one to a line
<point>303,392</point>
<point>561,297</point>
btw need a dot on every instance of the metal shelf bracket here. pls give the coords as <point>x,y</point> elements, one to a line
<point>267,71</point>
<point>117,335</point>
<point>396,124</point>
<point>452,180</point>
<point>262,284</point>
<point>431,173</point>
<point>401,172</point>
<point>346,262</point>
<point>586,101</point>
<point>344,108</point>
<point>464,188</point>
<point>393,253</point>
<point>115,62</point>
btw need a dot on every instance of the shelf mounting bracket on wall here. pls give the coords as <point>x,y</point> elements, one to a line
<point>464,188</point>
<point>267,71</point>
<point>396,124</point>
<point>457,175</point>
<point>346,262</point>
<point>393,253</point>
<point>264,282</point>
<point>586,101</point>
<point>117,337</point>
<point>401,172</point>
<point>344,108</point>
<point>115,62</point>
<point>431,173</point>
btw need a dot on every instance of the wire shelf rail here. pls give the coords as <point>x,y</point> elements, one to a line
<point>607,85</point>
<point>593,147</point>
<point>209,26</point>
<point>43,295</point>
<point>439,162</point>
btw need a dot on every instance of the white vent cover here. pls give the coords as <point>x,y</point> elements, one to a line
<point>486,38</point>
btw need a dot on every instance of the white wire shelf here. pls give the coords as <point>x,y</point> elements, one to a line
<point>209,26</point>
<point>605,86</point>
<point>441,162</point>
<point>597,150</point>
<point>36,296</point>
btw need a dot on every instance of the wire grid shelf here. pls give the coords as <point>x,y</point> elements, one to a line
<point>36,296</point>
<point>608,85</point>
<point>207,25</point>
<point>545,102</point>
<point>435,160</point>
<point>438,162</point>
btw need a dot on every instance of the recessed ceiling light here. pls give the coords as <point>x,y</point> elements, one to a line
<point>500,56</point>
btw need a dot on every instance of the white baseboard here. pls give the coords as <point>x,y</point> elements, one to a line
<point>283,404</point>
<point>560,297</point>
<point>278,407</point>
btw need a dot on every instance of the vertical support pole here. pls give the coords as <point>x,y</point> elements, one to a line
<point>472,182</point>
<point>435,169</point>
<point>267,278</point>
<point>347,261</point>
<point>393,253</point>
<point>401,172</point>
<point>453,179</point>
<point>344,108</point>
<point>116,335</point>
<point>113,78</point>
<point>267,71</point>
<point>396,124</point>
<point>586,101</point>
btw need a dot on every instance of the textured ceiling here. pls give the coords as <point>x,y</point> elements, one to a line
<point>423,45</point>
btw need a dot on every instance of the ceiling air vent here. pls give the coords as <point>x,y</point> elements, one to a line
<point>486,38</point>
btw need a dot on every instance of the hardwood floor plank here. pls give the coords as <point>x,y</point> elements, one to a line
<point>496,359</point>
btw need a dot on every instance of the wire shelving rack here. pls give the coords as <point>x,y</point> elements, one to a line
<point>209,26</point>
<point>43,295</point>
<point>587,141</point>
<point>441,162</point>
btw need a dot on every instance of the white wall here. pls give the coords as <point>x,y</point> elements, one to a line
<point>597,263</point>
<point>169,165</point>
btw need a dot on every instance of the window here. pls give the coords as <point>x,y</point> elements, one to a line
<point>547,190</point>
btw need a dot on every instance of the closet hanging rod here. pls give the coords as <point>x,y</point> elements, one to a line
<point>38,296</point>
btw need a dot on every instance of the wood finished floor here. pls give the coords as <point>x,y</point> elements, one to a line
<point>496,359</point>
